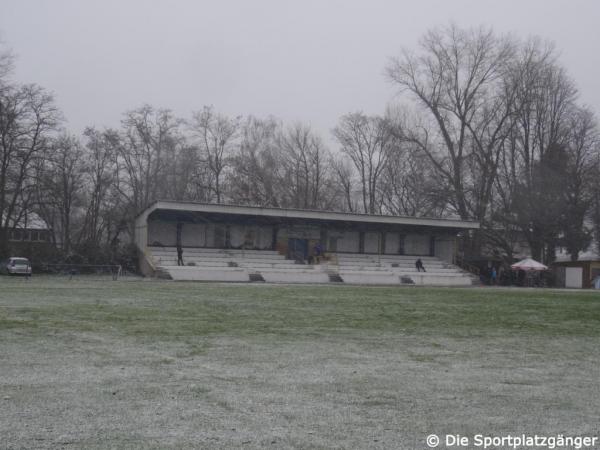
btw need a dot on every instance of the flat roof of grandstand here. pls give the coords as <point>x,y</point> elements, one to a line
<point>303,214</point>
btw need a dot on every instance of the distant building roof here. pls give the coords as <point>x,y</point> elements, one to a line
<point>588,255</point>
<point>30,221</point>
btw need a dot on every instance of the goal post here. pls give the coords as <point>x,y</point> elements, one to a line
<point>85,271</point>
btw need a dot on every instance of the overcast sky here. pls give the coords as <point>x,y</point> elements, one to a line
<point>303,60</point>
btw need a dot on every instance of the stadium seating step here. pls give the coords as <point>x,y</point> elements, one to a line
<point>335,277</point>
<point>163,274</point>
<point>272,267</point>
<point>256,277</point>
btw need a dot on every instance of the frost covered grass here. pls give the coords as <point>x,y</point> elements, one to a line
<point>144,364</point>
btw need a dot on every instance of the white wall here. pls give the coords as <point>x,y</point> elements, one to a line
<point>416,244</point>
<point>573,277</point>
<point>372,242</point>
<point>444,248</point>
<point>260,237</point>
<point>392,243</point>
<point>193,235</point>
<point>141,236</point>
<point>163,232</point>
<point>264,239</point>
<point>348,242</point>
<point>237,236</point>
<point>304,232</point>
<point>210,235</point>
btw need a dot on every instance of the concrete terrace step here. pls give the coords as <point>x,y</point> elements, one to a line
<point>282,276</point>
<point>392,266</point>
<point>270,266</point>
<point>207,251</point>
<point>206,274</point>
<point>397,278</point>
<point>277,265</point>
<point>385,256</point>
<point>243,264</point>
<point>208,264</point>
<point>221,260</point>
<point>229,274</point>
<point>307,275</point>
<point>442,280</point>
<point>397,270</point>
<point>402,272</point>
<point>369,277</point>
<point>388,261</point>
<point>219,256</point>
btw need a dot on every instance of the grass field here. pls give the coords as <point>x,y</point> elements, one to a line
<point>89,364</point>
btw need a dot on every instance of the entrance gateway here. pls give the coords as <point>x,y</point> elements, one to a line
<point>229,243</point>
<point>298,249</point>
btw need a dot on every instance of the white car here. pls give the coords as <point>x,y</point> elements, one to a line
<point>16,266</point>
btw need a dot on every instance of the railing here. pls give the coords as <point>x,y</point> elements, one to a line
<point>331,258</point>
<point>467,267</point>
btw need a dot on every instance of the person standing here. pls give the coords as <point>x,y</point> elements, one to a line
<point>493,276</point>
<point>179,247</point>
<point>318,251</point>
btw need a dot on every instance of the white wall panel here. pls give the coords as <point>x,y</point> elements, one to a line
<point>164,233</point>
<point>444,248</point>
<point>392,243</point>
<point>372,242</point>
<point>416,244</point>
<point>237,236</point>
<point>265,238</point>
<point>573,277</point>
<point>193,235</point>
<point>348,242</point>
<point>210,235</point>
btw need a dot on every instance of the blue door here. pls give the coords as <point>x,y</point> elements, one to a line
<point>298,249</point>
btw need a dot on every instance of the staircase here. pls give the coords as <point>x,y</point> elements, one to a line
<point>256,277</point>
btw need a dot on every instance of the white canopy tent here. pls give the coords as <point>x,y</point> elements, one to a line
<point>529,264</point>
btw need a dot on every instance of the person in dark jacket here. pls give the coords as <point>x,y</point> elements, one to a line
<point>179,247</point>
<point>419,265</point>
<point>318,251</point>
<point>179,255</point>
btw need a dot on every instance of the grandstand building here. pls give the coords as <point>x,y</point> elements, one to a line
<point>243,243</point>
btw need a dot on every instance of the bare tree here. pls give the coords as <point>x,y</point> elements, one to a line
<point>583,148</point>
<point>147,145</point>
<point>459,80</point>
<point>101,177</point>
<point>256,165</point>
<point>595,208</point>
<point>346,182</point>
<point>409,186</point>
<point>217,136</point>
<point>368,142</point>
<point>304,160</point>
<point>532,177</point>
<point>28,117</point>
<point>60,188</point>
